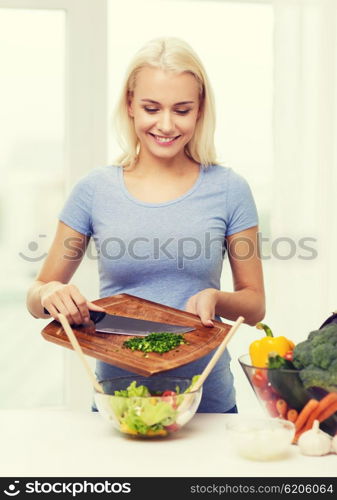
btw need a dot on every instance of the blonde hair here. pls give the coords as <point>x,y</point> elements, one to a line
<point>168,54</point>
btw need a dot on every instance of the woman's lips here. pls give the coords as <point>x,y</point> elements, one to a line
<point>164,141</point>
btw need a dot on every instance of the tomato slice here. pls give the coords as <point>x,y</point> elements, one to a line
<point>172,427</point>
<point>260,379</point>
<point>289,355</point>
<point>169,393</point>
<point>170,397</point>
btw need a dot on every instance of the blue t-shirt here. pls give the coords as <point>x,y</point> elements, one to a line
<point>164,252</point>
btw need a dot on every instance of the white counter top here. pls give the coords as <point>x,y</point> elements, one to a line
<point>60,443</point>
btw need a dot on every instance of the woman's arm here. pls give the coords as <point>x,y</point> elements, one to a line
<point>248,298</point>
<point>50,289</point>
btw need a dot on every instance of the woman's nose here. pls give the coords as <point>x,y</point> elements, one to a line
<point>165,123</point>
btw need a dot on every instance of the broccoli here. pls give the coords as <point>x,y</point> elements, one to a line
<point>312,376</point>
<point>302,355</point>
<point>316,358</point>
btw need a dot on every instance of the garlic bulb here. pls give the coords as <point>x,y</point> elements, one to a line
<point>314,441</point>
<point>334,444</point>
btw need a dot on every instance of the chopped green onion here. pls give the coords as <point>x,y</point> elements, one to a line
<point>155,342</point>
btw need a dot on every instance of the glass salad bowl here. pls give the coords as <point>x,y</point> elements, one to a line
<point>283,395</point>
<point>147,407</point>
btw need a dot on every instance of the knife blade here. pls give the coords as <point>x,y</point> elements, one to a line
<point>122,325</point>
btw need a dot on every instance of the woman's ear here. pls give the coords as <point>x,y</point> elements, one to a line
<point>130,104</point>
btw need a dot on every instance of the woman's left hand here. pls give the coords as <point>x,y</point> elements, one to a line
<point>203,304</point>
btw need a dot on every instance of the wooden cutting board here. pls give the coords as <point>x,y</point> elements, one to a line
<point>109,348</point>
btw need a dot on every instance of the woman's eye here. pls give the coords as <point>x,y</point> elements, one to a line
<point>182,111</point>
<point>150,110</point>
<point>178,111</point>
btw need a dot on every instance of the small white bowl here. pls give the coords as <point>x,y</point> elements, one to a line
<point>260,438</point>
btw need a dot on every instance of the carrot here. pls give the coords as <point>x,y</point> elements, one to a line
<point>330,410</point>
<point>305,412</point>
<point>328,399</point>
<point>297,435</point>
<point>323,405</point>
<point>327,412</point>
<point>295,439</point>
<point>281,407</point>
<point>292,415</point>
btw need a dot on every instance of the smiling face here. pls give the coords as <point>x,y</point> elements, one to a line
<point>165,109</point>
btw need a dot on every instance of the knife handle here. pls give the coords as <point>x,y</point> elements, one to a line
<point>95,316</point>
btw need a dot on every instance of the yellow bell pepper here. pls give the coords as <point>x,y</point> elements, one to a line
<point>126,429</point>
<point>259,349</point>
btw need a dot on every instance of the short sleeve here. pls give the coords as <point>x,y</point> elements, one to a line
<point>77,210</point>
<point>241,209</point>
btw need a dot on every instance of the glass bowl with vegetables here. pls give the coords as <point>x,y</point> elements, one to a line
<point>148,407</point>
<point>298,384</point>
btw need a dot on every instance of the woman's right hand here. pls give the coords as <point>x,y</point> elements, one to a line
<point>66,299</point>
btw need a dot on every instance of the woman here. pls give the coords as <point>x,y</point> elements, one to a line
<point>163,216</point>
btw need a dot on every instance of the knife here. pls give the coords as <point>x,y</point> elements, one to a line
<point>121,325</point>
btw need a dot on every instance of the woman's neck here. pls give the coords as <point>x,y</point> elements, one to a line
<point>148,166</point>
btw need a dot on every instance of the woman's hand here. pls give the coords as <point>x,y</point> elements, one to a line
<point>203,304</point>
<point>58,298</point>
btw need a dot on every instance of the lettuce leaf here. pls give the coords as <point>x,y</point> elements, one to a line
<point>161,412</point>
<point>119,405</point>
<point>133,390</point>
<point>135,422</point>
<point>194,379</point>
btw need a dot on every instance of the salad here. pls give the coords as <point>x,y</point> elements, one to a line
<point>137,411</point>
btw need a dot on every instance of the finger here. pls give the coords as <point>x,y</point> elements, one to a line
<point>207,322</point>
<point>81,304</point>
<point>52,311</point>
<point>206,318</point>
<point>69,309</point>
<point>60,307</point>
<point>95,307</point>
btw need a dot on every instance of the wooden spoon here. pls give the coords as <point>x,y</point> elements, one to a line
<point>76,346</point>
<point>217,355</point>
<point>189,396</point>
